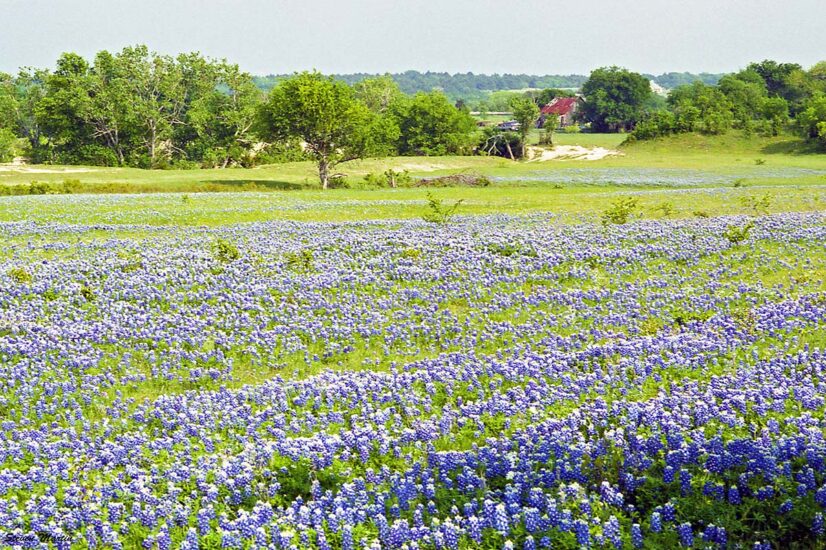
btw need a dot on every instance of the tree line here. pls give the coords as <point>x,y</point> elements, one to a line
<point>142,109</point>
<point>768,97</point>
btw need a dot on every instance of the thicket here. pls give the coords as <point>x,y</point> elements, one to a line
<point>766,98</point>
<point>142,109</point>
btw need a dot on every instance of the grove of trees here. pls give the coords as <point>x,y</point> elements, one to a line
<point>766,97</point>
<point>143,109</point>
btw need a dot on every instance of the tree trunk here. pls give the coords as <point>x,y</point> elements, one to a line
<point>510,151</point>
<point>324,172</point>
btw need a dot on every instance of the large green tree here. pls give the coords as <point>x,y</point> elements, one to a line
<point>812,119</point>
<point>378,93</point>
<point>328,117</point>
<point>431,125</point>
<point>700,107</point>
<point>221,119</point>
<point>614,99</point>
<point>525,112</point>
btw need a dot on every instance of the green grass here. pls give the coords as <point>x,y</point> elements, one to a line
<point>691,172</point>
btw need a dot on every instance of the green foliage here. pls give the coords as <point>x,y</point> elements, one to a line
<point>812,120</point>
<point>20,275</point>
<point>758,205</point>
<point>549,127</point>
<point>614,99</point>
<point>510,249</point>
<point>378,93</point>
<point>525,112</point>
<point>224,251</point>
<point>87,293</point>
<point>299,261</point>
<point>429,124</point>
<point>620,211</point>
<point>388,178</point>
<point>776,112</point>
<point>281,152</point>
<point>328,117</point>
<point>737,234</point>
<point>134,108</point>
<point>494,142</point>
<point>8,145</point>
<point>665,208</point>
<point>701,108</point>
<point>438,212</point>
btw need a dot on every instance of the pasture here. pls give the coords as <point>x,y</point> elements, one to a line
<point>272,366</point>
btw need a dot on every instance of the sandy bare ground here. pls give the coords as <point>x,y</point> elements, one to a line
<point>571,152</point>
<point>19,165</point>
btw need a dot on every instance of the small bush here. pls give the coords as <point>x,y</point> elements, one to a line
<point>87,293</point>
<point>20,275</point>
<point>620,211</point>
<point>511,249</point>
<point>225,252</point>
<point>700,214</point>
<point>455,180</point>
<point>439,213</point>
<point>300,261</point>
<point>411,253</point>
<point>759,162</point>
<point>338,181</point>
<point>388,178</point>
<point>665,208</point>
<point>739,183</point>
<point>737,234</point>
<point>758,205</point>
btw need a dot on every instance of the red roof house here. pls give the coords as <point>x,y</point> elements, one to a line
<point>564,107</point>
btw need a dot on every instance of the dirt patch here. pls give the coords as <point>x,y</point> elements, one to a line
<point>23,169</point>
<point>570,152</point>
<point>455,180</point>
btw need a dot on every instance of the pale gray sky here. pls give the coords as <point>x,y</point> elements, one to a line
<point>531,36</point>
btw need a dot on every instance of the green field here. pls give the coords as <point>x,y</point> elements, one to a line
<point>691,173</point>
<point>273,365</point>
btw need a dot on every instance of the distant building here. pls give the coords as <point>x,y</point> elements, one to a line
<point>564,107</point>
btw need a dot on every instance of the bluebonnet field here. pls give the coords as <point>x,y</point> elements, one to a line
<point>496,382</point>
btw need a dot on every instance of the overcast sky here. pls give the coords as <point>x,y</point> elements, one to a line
<point>541,37</point>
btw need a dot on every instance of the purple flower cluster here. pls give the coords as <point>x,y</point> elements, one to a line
<point>500,381</point>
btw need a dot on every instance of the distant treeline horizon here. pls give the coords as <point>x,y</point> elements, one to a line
<point>469,85</point>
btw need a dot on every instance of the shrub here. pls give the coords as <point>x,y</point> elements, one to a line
<point>758,205</point>
<point>620,211</point>
<point>225,252</point>
<point>20,275</point>
<point>439,213</point>
<point>737,234</point>
<point>455,180</point>
<point>87,293</point>
<point>701,214</point>
<point>8,143</point>
<point>300,261</point>
<point>389,178</point>
<point>338,181</point>
<point>411,253</point>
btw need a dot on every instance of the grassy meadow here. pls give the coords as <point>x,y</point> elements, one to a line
<point>233,358</point>
<point>691,174</point>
